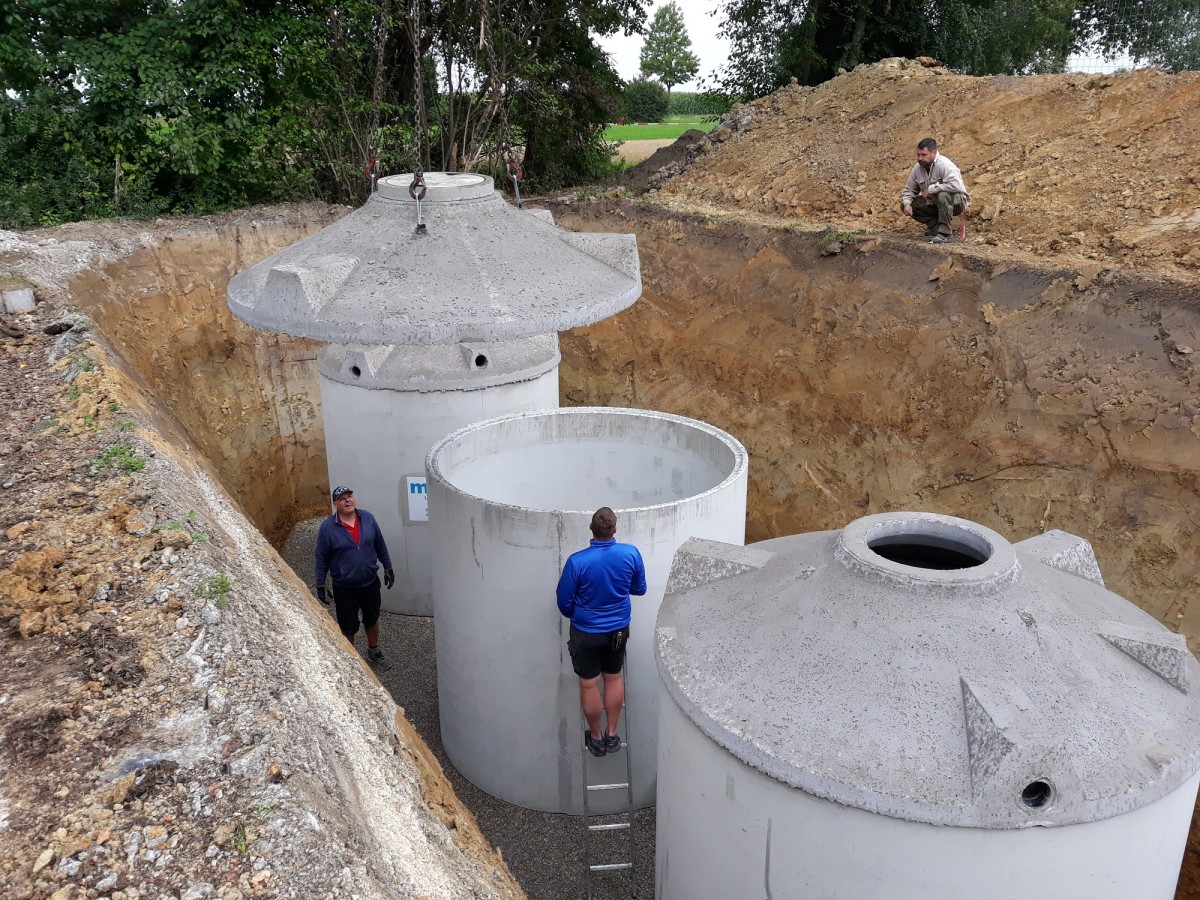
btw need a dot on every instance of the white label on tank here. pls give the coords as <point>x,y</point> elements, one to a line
<point>417,489</point>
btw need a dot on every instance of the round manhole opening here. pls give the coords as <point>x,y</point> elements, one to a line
<point>1037,794</point>
<point>356,371</point>
<point>928,551</point>
<point>481,361</point>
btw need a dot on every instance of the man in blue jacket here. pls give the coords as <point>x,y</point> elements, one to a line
<point>593,592</point>
<point>349,548</point>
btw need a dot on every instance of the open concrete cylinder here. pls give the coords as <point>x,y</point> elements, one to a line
<point>510,500</point>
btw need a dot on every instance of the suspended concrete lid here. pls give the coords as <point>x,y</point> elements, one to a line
<point>921,667</point>
<point>482,271</point>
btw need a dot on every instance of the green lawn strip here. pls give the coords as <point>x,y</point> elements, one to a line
<point>666,131</point>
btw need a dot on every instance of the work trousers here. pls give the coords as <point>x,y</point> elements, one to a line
<point>940,209</point>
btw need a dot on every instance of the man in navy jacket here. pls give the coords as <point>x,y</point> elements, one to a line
<point>349,548</point>
<point>593,592</point>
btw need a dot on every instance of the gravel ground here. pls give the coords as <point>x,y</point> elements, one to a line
<point>545,851</point>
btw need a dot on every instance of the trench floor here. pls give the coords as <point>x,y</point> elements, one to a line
<point>544,851</point>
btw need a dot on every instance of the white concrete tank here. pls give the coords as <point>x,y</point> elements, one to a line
<point>405,399</point>
<point>431,331</point>
<point>510,500</point>
<point>912,707</point>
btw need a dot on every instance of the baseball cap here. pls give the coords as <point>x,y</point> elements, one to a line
<point>339,490</point>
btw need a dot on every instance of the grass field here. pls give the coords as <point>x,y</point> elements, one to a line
<point>672,128</point>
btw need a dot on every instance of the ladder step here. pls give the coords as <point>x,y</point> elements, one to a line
<point>611,867</point>
<point>608,787</point>
<point>615,827</point>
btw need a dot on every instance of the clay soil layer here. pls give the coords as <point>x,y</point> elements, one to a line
<point>896,376</point>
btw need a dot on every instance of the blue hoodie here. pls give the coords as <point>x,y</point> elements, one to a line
<point>594,588</point>
<point>353,565</point>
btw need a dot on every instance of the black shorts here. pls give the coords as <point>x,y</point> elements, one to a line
<point>349,601</point>
<point>592,654</point>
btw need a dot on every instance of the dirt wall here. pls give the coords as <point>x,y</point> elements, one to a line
<point>893,376</point>
<point>888,375</point>
<point>248,399</point>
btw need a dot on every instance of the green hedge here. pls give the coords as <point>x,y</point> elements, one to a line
<point>644,100</point>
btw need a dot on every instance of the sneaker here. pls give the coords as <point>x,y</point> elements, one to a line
<point>941,239</point>
<point>612,743</point>
<point>376,658</point>
<point>595,747</point>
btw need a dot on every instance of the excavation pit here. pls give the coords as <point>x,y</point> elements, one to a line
<point>858,383</point>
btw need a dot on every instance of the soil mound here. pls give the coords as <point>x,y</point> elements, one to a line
<point>665,162</point>
<point>1103,167</point>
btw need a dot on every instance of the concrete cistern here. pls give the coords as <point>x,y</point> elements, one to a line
<point>914,707</point>
<point>430,331</point>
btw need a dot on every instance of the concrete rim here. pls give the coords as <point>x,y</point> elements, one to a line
<point>439,367</point>
<point>999,566</point>
<point>440,187</point>
<point>741,459</point>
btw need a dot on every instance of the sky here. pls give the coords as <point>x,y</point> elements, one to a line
<point>701,28</point>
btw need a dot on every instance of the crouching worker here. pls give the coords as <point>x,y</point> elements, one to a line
<point>934,193</point>
<point>350,547</point>
<point>593,592</point>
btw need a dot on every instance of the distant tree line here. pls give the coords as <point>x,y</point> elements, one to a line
<point>138,107</point>
<point>775,40</point>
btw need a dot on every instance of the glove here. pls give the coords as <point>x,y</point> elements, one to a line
<point>389,578</point>
<point>321,594</point>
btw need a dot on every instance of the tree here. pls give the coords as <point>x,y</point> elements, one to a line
<point>136,107</point>
<point>555,84</point>
<point>644,100</point>
<point>774,40</point>
<point>811,39</point>
<point>666,52</point>
<point>149,106</point>
<point>1163,33</point>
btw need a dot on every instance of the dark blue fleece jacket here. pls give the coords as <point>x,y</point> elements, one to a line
<point>353,565</point>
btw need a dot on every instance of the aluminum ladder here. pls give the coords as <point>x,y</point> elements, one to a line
<point>626,867</point>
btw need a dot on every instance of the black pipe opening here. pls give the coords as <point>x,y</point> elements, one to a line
<point>927,551</point>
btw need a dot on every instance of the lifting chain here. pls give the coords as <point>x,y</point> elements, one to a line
<point>515,173</point>
<point>416,190</point>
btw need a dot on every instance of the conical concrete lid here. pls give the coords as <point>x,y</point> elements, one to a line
<point>1009,690</point>
<point>482,271</point>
